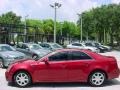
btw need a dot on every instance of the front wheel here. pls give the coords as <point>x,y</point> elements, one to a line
<point>97,79</point>
<point>35,57</point>
<point>22,79</point>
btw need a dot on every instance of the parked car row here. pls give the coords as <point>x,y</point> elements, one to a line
<point>21,51</point>
<point>92,46</point>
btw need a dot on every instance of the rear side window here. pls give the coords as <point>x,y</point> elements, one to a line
<point>76,44</point>
<point>77,55</point>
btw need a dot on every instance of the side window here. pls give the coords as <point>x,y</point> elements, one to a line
<point>60,56</point>
<point>76,44</point>
<point>77,55</point>
<point>47,46</point>
<point>24,46</point>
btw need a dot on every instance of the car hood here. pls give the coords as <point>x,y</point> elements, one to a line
<point>12,54</point>
<point>39,51</point>
<point>23,61</point>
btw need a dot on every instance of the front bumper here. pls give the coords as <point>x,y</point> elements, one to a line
<point>8,76</point>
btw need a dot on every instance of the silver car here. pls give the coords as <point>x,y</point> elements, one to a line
<point>51,46</point>
<point>8,54</point>
<point>32,50</point>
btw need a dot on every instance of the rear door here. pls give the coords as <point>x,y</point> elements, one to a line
<point>78,66</point>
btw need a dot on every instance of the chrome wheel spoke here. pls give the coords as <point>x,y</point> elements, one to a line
<point>22,79</point>
<point>97,78</point>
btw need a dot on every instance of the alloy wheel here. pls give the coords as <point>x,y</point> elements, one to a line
<point>97,79</point>
<point>22,79</point>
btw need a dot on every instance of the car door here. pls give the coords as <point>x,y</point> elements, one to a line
<point>78,66</point>
<point>55,71</point>
<point>25,49</point>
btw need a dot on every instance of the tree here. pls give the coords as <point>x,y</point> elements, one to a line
<point>10,18</point>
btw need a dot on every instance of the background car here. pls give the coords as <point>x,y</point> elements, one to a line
<point>101,48</point>
<point>8,54</point>
<point>32,50</point>
<point>51,46</point>
<point>65,65</point>
<point>82,46</point>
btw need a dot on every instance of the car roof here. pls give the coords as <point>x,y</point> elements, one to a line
<point>72,49</point>
<point>4,45</point>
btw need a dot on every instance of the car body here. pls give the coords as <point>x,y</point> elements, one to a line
<point>8,54</point>
<point>32,50</point>
<point>51,46</point>
<point>100,47</point>
<point>82,46</point>
<point>65,65</point>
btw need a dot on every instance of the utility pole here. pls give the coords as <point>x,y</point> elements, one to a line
<point>81,31</point>
<point>25,30</point>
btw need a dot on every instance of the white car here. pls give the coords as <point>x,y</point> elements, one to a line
<point>82,46</point>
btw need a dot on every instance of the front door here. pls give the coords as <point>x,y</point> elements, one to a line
<point>55,70</point>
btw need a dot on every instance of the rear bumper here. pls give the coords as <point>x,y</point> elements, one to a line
<point>114,74</point>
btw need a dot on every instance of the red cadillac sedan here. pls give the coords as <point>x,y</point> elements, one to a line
<point>66,65</point>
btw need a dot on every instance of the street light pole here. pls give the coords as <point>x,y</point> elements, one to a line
<point>25,31</point>
<point>81,29</point>
<point>81,33</point>
<point>55,6</point>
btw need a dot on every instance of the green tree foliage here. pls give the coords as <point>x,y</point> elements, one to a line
<point>10,18</point>
<point>102,23</point>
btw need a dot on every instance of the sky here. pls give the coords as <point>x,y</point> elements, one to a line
<point>40,9</point>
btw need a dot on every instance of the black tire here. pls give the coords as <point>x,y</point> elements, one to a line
<point>24,79</point>
<point>35,57</point>
<point>97,79</point>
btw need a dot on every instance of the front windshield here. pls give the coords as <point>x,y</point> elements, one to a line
<point>35,46</point>
<point>44,54</point>
<point>6,48</point>
<point>56,46</point>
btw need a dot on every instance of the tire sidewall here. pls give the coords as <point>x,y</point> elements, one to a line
<point>90,79</point>
<point>35,56</point>
<point>29,77</point>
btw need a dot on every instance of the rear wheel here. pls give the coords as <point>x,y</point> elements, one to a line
<point>97,78</point>
<point>22,79</point>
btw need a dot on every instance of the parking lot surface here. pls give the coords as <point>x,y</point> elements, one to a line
<point>109,85</point>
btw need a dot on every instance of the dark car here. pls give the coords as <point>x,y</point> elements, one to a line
<point>101,48</point>
<point>65,65</point>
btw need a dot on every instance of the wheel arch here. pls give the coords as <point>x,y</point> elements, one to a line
<point>96,70</point>
<point>23,70</point>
